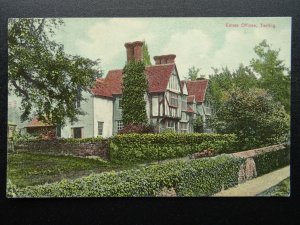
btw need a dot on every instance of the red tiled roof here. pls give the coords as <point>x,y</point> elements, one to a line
<point>197,88</point>
<point>190,98</point>
<point>157,77</point>
<point>37,123</point>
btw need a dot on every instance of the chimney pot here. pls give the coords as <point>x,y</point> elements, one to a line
<point>134,51</point>
<point>163,59</point>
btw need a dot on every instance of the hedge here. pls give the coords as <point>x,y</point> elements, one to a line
<point>154,147</point>
<point>202,177</point>
<point>270,161</point>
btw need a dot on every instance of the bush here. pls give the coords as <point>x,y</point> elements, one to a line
<point>152,147</point>
<point>138,128</point>
<point>270,161</point>
<point>201,177</point>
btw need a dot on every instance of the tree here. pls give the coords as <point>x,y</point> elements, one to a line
<point>146,55</point>
<point>134,89</point>
<point>220,83</point>
<point>198,124</point>
<point>193,73</point>
<point>274,75</point>
<point>47,79</point>
<point>254,117</point>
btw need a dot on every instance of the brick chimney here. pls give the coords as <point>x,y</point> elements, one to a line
<point>164,59</point>
<point>134,50</point>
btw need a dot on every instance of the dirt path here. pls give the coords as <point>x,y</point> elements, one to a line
<point>257,185</point>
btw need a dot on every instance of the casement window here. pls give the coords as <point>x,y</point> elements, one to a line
<point>120,125</point>
<point>77,132</point>
<point>183,127</point>
<point>171,125</point>
<point>100,128</point>
<point>173,99</point>
<point>184,116</point>
<point>184,103</point>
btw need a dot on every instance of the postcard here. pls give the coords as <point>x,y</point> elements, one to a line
<point>148,107</point>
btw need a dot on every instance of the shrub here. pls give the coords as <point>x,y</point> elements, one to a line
<point>270,161</point>
<point>200,177</point>
<point>138,128</point>
<point>64,140</point>
<point>151,147</point>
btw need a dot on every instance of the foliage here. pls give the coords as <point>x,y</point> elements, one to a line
<point>221,83</point>
<point>47,79</point>
<point>201,177</point>
<point>274,75</point>
<point>134,90</point>
<point>270,161</point>
<point>193,73</point>
<point>146,55</point>
<point>19,137</point>
<point>281,189</point>
<point>254,117</point>
<point>198,124</point>
<point>155,147</point>
<point>11,189</point>
<point>26,169</point>
<point>138,128</point>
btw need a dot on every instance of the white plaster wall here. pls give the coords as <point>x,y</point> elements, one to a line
<point>85,121</point>
<point>103,112</point>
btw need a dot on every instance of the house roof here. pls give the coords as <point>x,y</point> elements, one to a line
<point>197,88</point>
<point>37,123</point>
<point>157,77</point>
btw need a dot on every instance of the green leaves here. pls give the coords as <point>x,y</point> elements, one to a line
<point>155,147</point>
<point>42,74</point>
<point>201,177</point>
<point>134,91</point>
<point>255,118</point>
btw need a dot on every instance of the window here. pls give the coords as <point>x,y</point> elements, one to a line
<point>120,103</point>
<point>173,99</point>
<point>100,128</point>
<point>120,125</point>
<point>171,125</point>
<point>184,116</point>
<point>183,103</point>
<point>184,127</point>
<point>77,132</point>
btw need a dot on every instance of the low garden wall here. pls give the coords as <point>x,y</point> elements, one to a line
<point>76,147</point>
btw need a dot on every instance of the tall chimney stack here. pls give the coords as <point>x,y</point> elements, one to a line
<point>134,51</point>
<point>164,59</point>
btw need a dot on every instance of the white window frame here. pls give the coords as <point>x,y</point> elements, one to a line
<point>119,125</point>
<point>185,130</point>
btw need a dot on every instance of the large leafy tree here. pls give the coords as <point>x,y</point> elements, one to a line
<point>224,81</point>
<point>48,80</point>
<point>254,117</point>
<point>134,89</point>
<point>273,74</point>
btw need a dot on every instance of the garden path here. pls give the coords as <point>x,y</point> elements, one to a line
<point>257,185</point>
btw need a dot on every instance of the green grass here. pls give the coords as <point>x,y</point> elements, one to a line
<point>281,189</point>
<point>26,169</point>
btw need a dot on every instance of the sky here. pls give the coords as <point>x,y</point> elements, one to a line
<point>200,42</point>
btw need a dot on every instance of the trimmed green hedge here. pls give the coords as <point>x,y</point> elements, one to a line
<point>202,177</point>
<point>270,161</point>
<point>153,147</point>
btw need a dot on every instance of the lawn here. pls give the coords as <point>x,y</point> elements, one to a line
<point>26,169</point>
<point>281,189</point>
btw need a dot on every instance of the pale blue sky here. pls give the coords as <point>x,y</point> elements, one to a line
<point>199,42</point>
